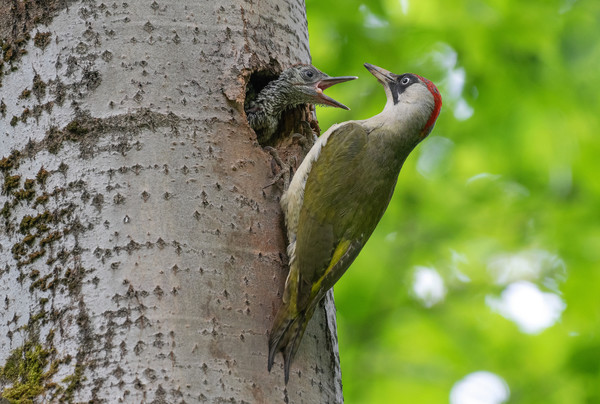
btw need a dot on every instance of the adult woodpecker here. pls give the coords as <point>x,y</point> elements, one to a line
<point>338,195</point>
<point>300,84</point>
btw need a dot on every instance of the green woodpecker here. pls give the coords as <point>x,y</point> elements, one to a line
<point>338,195</point>
<point>300,84</point>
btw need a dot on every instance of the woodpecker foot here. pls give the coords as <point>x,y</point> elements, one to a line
<point>306,138</point>
<point>286,171</point>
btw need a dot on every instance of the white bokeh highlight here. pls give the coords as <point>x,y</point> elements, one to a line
<point>532,265</point>
<point>480,388</point>
<point>528,307</point>
<point>483,177</point>
<point>404,5</point>
<point>428,286</point>
<point>370,19</point>
<point>459,259</point>
<point>511,189</point>
<point>462,110</point>
<point>522,301</point>
<point>454,82</point>
<point>433,156</point>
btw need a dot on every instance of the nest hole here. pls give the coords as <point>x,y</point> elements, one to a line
<point>257,81</point>
<point>290,120</point>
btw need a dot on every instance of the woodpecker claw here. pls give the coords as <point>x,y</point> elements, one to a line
<point>306,137</point>
<point>285,172</point>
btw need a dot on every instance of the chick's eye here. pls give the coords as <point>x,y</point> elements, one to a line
<point>405,81</point>
<point>309,73</point>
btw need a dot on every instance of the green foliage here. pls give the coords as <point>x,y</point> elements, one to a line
<point>509,171</point>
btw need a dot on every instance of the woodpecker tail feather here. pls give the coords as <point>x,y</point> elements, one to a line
<point>286,335</point>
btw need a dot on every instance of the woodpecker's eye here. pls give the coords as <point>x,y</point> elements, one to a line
<point>405,81</point>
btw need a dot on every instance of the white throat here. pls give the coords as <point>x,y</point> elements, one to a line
<point>410,112</point>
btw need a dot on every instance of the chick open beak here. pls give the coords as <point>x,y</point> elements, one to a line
<point>382,75</point>
<point>326,83</point>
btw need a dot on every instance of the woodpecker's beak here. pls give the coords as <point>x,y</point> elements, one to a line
<point>326,83</point>
<point>384,76</point>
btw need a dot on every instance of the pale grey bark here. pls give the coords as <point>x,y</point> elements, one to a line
<point>140,258</point>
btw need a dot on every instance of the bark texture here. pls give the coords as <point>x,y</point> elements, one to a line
<point>140,258</point>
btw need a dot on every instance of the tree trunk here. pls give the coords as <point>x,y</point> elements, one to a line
<point>140,258</point>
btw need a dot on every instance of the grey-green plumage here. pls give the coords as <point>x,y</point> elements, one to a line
<point>330,216</point>
<point>300,84</point>
<point>338,195</point>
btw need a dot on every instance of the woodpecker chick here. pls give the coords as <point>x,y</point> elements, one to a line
<point>300,84</point>
<point>338,195</point>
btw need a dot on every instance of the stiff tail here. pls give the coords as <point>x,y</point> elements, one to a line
<point>286,335</point>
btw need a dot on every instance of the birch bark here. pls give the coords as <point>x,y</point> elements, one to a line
<point>141,260</point>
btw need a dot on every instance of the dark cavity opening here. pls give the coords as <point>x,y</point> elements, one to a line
<point>258,80</point>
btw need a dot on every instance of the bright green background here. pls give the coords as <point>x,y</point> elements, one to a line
<point>532,79</point>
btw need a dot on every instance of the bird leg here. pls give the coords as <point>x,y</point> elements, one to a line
<point>303,131</point>
<point>306,138</point>
<point>286,171</point>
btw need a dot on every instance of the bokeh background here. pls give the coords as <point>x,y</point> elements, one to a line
<point>481,285</point>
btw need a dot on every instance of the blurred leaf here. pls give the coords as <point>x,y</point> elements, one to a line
<point>511,166</point>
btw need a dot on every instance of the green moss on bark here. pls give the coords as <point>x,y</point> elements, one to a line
<point>29,372</point>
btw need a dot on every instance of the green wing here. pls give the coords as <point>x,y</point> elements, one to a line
<point>327,239</point>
